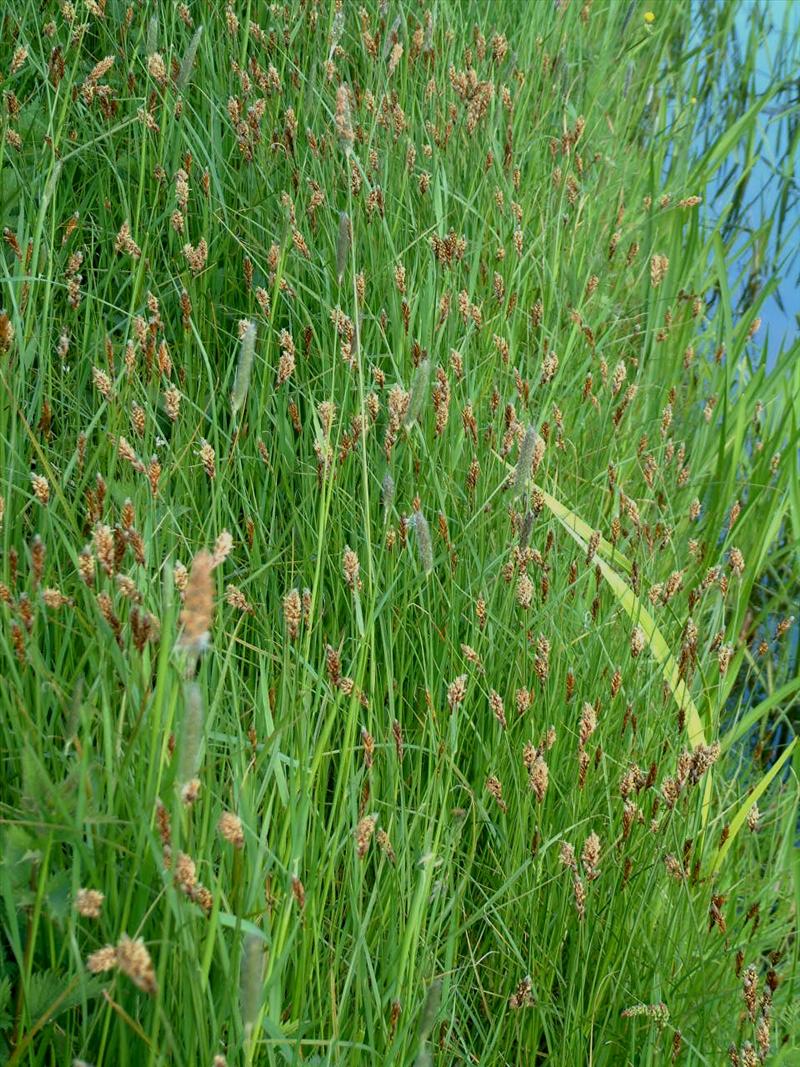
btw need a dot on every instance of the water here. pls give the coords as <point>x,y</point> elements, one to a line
<point>769,205</point>
<point>764,227</point>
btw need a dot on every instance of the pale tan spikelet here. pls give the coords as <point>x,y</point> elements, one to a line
<point>157,68</point>
<point>286,367</point>
<point>344,123</point>
<point>127,588</point>
<point>124,242</point>
<point>263,301</point>
<point>363,834</point>
<point>750,991</point>
<point>524,592</point>
<point>292,613</point>
<point>172,403</point>
<point>104,959</point>
<point>207,457</point>
<point>18,60</point>
<point>236,599</point>
<point>351,568</point>
<point>300,243</point>
<point>579,892</point>
<point>55,599</point>
<point>567,856</point>
<point>368,744</point>
<point>590,856</point>
<point>724,657</point>
<point>539,777</point>
<point>104,549</point>
<point>496,704</point>
<point>180,576</point>
<point>763,1032</point>
<point>89,903</point>
<point>230,828</point>
<point>86,566</point>
<point>185,873</point>
<point>456,691</point>
<point>549,368</point>
<point>637,641</point>
<point>495,789</point>
<point>618,378</point>
<point>736,560</point>
<point>659,265</point>
<point>138,419</point>
<point>222,548</point>
<point>588,723</point>
<point>659,1013</point>
<point>41,489</point>
<point>196,256</point>
<point>134,960</point>
<point>541,663</point>
<point>102,383</point>
<point>471,656</point>
<point>385,845</point>
<point>154,475</point>
<point>198,604</point>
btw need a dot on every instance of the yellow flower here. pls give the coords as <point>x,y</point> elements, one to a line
<point>649,17</point>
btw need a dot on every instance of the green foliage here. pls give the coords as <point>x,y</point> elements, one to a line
<point>466,771</point>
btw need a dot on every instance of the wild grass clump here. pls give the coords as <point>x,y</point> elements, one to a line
<point>398,541</point>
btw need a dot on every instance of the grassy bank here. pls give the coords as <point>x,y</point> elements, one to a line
<point>397,519</point>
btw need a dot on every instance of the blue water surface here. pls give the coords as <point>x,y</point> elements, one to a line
<point>773,175</point>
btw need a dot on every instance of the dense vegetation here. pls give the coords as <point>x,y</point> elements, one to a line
<point>398,538</point>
